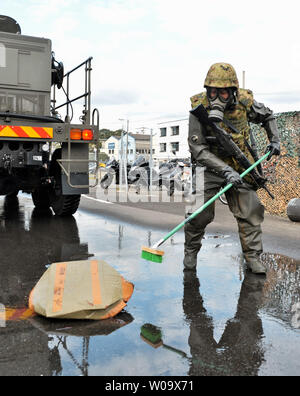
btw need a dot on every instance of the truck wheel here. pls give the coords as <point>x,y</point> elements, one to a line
<point>293,209</point>
<point>40,198</point>
<point>65,205</point>
<point>62,205</point>
<point>11,202</point>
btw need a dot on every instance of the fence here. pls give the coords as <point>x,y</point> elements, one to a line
<point>283,172</point>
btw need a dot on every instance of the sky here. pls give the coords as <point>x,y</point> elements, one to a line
<point>151,56</point>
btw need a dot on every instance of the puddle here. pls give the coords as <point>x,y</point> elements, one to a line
<point>282,288</point>
<point>220,321</point>
<point>216,236</point>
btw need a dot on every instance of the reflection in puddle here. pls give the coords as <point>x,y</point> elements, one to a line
<point>28,247</point>
<point>282,288</point>
<point>30,242</point>
<point>61,335</point>
<point>257,318</point>
<point>239,350</point>
<point>216,236</point>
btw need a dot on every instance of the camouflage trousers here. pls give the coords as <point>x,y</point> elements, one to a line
<point>245,207</point>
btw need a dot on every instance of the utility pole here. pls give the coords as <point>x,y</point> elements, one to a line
<point>244,79</point>
<point>151,155</point>
<point>124,163</point>
<point>121,159</point>
<point>151,160</point>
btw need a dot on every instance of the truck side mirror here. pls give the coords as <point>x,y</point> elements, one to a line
<point>57,75</point>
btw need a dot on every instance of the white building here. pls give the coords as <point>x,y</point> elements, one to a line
<point>170,140</point>
<point>138,144</point>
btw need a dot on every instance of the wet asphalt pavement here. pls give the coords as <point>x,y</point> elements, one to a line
<point>221,321</point>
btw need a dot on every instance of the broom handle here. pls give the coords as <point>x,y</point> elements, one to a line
<point>203,207</point>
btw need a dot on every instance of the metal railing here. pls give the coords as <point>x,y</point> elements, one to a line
<point>65,164</point>
<point>86,95</point>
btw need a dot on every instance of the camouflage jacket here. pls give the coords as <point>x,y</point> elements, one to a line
<point>245,111</point>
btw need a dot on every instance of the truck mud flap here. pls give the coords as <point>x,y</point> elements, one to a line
<point>76,180</point>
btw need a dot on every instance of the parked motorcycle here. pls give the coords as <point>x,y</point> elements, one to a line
<point>190,184</point>
<point>113,170</point>
<point>169,174</point>
<point>139,173</point>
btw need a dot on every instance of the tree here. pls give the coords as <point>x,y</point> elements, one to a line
<point>103,157</point>
<point>107,133</point>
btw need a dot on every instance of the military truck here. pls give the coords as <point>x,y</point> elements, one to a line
<point>42,152</point>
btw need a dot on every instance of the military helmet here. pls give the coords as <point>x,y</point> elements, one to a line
<point>221,75</point>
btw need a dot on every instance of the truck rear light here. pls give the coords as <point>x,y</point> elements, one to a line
<point>75,134</point>
<point>87,134</point>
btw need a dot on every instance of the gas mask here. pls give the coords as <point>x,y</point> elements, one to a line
<point>219,99</point>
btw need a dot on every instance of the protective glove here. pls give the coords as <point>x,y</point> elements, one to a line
<point>232,177</point>
<point>274,148</point>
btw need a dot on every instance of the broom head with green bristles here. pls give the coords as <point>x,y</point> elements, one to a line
<point>154,255</point>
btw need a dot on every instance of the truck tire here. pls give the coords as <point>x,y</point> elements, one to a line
<point>40,198</point>
<point>62,205</point>
<point>65,205</point>
<point>293,209</point>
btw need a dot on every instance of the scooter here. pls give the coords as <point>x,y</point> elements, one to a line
<point>168,174</point>
<point>113,170</point>
<point>189,184</point>
<point>139,173</point>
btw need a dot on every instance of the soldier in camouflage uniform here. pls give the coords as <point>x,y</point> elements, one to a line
<point>224,99</point>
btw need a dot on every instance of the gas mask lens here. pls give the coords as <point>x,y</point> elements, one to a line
<point>222,93</point>
<point>212,93</point>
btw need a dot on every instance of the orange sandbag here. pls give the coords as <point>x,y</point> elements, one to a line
<point>80,290</point>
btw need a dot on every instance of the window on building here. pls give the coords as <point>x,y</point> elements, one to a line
<point>175,130</point>
<point>163,147</point>
<point>175,146</point>
<point>2,55</point>
<point>163,132</point>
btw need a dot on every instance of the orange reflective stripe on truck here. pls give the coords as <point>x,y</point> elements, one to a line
<point>32,132</point>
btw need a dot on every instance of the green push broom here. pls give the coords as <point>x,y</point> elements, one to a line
<point>155,255</point>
